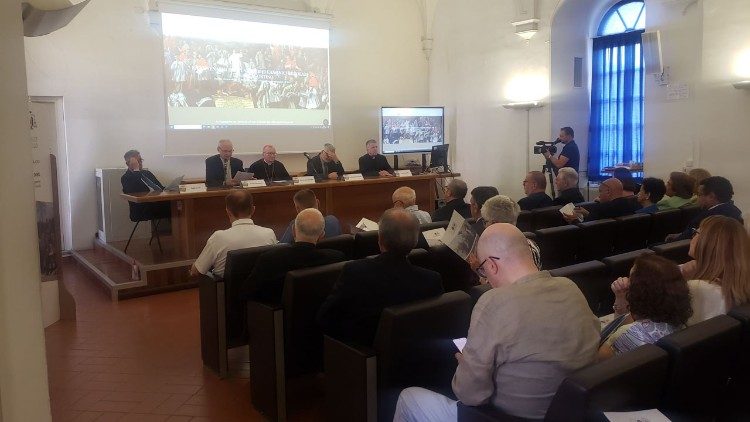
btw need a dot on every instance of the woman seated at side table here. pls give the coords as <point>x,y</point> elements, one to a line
<point>658,299</point>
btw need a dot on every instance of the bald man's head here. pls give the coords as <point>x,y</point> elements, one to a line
<point>505,253</point>
<point>309,226</point>
<point>610,189</point>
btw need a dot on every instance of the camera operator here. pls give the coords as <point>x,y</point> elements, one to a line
<point>569,156</point>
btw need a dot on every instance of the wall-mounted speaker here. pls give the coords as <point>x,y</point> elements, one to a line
<point>652,59</point>
<point>577,72</point>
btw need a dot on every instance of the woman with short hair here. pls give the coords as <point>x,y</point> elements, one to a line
<point>680,188</point>
<point>658,299</point>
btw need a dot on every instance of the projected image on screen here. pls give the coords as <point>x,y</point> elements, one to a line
<point>222,73</point>
<point>411,129</point>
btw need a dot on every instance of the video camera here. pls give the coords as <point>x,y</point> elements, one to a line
<point>543,146</point>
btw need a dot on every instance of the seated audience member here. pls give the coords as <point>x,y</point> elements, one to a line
<point>501,209</point>
<point>566,183</point>
<point>715,198</point>
<point>719,276</point>
<point>534,186</point>
<point>629,185</point>
<point>611,203</point>
<point>405,197</point>
<point>304,199</point>
<point>514,359</point>
<point>455,193</point>
<point>266,281</point>
<point>242,234</point>
<point>478,196</point>
<point>222,167</point>
<point>325,165</point>
<point>680,188</point>
<point>652,191</point>
<point>367,286</point>
<point>698,174</point>
<point>137,180</point>
<point>268,168</point>
<point>372,163</point>
<point>658,300</point>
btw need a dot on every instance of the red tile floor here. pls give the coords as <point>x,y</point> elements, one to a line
<point>139,360</point>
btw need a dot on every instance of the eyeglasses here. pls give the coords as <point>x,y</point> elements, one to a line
<point>480,269</point>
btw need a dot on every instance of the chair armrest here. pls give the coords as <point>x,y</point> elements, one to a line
<point>350,381</point>
<point>213,324</point>
<point>265,327</point>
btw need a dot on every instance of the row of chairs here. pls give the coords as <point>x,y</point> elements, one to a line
<point>701,373</point>
<point>650,228</point>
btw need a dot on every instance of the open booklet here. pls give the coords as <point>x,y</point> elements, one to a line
<point>459,236</point>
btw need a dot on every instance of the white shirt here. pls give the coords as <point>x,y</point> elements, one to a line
<point>707,301</point>
<point>422,216</point>
<point>243,234</point>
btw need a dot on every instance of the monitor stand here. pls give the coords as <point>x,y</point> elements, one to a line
<point>395,161</point>
<point>424,162</point>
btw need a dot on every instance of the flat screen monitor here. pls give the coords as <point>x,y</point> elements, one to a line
<point>439,156</point>
<point>411,129</point>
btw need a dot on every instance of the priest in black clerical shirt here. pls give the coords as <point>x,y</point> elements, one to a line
<point>268,168</point>
<point>534,186</point>
<point>372,163</point>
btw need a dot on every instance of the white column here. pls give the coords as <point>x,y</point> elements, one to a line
<point>24,394</point>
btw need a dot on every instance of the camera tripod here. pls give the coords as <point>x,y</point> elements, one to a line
<point>549,169</point>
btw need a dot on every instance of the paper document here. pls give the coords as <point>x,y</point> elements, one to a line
<point>650,415</point>
<point>367,225</point>
<point>569,210</point>
<point>460,343</point>
<point>241,175</point>
<point>433,236</point>
<point>459,236</point>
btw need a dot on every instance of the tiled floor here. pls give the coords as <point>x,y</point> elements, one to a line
<point>139,360</point>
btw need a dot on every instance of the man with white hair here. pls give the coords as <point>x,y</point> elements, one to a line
<point>266,281</point>
<point>513,358</point>
<point>566,183</point>
<point>501,209</point>
<point>406,198</point>
<point>222,167</point>
<point>325,165</point>
<point>268,168</point>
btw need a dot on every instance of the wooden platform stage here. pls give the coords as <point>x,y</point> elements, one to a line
<point>196,216</point>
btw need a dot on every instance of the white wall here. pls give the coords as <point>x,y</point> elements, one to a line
<point>475,56</point>
<point>700,45</point>
<point>24,395</point>
<point>107,66</point>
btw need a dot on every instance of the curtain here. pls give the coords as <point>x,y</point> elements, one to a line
<point>616,125</point>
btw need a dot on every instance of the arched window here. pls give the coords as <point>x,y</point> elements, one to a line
<point>616,123</point>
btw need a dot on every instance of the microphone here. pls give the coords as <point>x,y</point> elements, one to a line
<point>557,141</point>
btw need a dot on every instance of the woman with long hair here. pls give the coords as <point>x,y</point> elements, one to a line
<point>719,277</point>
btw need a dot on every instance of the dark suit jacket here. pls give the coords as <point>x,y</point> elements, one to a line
<point>567,196</point>
<point>266,282</point>
<point>315,168</point>
<point>261,170</point>
<point>445,213</point>
<point>614,208</point>
<point>371,166</point>
<point>215,169</point>
<point>367,286</point>
<point>727,209</point>
<point>132,183</point>
<point>535,200</point>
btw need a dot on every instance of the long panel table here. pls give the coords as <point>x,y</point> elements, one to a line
<point>195,216</point>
